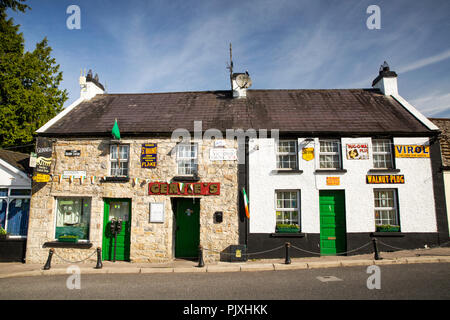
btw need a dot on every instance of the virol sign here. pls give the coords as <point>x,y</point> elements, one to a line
<point>412,151</point>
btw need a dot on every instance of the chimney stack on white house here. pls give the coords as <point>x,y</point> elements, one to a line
<point>386,81</point>
<point>90,86</point>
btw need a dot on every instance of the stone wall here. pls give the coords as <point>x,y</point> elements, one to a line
<point>150,242</point>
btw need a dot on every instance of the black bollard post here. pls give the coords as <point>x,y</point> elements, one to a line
<point>375,249</point>
<point>288,258</point>
<point>115,246</point>
<point>201,263</point>
<point>99,259</point>
<point>49,259</point>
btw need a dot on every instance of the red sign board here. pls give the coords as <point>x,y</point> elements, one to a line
<point>192,189</point>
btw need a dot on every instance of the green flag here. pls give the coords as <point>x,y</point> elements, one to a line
<point>115,131</point>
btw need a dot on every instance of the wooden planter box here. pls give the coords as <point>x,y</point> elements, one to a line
<point>388,228</point>
<point>12,249</point>
<point>287,230</point>
<point>71,240</point>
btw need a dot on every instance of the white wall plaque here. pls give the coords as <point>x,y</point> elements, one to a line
<point>75,174</point>
<point>217,154</point>
<point>157,212</point>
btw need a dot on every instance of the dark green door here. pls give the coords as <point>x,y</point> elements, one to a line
<point>332,222</point>
<point>117,208</point>
<point>187,235</point>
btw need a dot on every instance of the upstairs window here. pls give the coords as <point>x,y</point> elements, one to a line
<point>119,157</point>
<point>187,159</point>
<point>382,154</point>
<point>287,155</point>
<point>330,154</point>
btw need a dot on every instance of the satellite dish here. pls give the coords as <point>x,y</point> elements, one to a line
<point>243,80</point>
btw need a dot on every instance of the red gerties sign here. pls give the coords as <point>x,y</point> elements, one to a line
<point>192,189</point>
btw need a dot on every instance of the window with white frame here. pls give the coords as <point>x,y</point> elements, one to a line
<point>73,216</point>
<point>330,154</point>
<point>287,154</point>
<point>119,158</point>
<point>14,210</point>
<point>382,153</point>
<point>187,159</point>
<point>386,211</point>
<point>287,207</point>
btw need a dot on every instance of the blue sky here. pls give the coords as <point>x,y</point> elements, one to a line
<point>160,46</point>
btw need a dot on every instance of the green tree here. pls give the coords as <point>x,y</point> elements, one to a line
<point>14,5</point>
<point>29,94</point>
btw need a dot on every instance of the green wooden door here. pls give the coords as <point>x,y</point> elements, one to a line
<point>332,222</point>
<point>117,208</point>
<point>187,236</point>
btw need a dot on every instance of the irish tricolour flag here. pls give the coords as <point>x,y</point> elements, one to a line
<point>247,213</point>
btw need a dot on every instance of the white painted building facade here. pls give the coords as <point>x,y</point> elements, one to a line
<point>416,207</point>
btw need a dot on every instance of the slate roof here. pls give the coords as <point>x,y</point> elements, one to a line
<point>339,111</point>
<point>17,160</point>
<point>444,138</point>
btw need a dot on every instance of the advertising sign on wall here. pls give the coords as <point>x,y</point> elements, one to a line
<point>357,151</point>
<point>308,154</point>
<point>148,155</point>
<point>385,179</point>
<point>333,181</point>
<point>417,151</point>
<point>44,155</point>
<point>175,188</point>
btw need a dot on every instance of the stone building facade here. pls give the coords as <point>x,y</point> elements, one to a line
<point>149,242</point>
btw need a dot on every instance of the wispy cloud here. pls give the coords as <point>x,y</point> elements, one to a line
<point>425,62</point>
<point>437,103</point>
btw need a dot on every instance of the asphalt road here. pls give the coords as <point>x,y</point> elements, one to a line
<point>414,281</point>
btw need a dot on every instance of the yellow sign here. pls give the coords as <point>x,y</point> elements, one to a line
<point>418,151</point>
<point>308,154</point>
<point>385,179</point>
<point>41,177</point>
<point>333,181</point>
<point>238,254</point>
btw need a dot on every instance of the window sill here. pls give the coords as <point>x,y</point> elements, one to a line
<point>115,179</point>
<point>387,234</point>
<point>289,171</point>
<point>193,178</point>
<point>287,235</point>
<point>384,171</point>
<point>76,245</point>
<point>330,171</point>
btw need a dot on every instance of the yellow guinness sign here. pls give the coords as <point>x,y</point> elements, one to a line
<point>308,154</point>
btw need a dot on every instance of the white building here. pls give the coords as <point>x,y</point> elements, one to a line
<point>349,165</point>
<point>15,195</point>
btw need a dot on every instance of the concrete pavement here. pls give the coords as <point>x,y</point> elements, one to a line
<point>430,255</point>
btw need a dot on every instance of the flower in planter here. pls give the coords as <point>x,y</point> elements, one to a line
<point>3,233</point>
<point>287,227</point>
<point>387,228</point>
